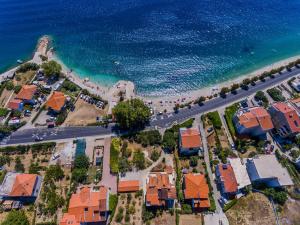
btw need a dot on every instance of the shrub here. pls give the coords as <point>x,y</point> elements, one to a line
<point>154,155</point>
<point>3,112</point>
<point>276,95</point>
<point>229,113</point>
<point>146,138</point>
<point>9,86</point>
<point>194,161</point>
<point>139,159</point>
<point>186,209</point>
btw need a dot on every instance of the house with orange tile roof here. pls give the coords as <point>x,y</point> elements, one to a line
<point>57,101</point>
<point>160,190</point>
<point>126,186</point>
<point>88,206</point>
<point>27,93</point>
<point>196,191</point>
<point>20,187</point>
<point>254,121</point>
<point>190,142</point>
<point>285,119</point>
<point>226,180</point>
<point>15,104</point>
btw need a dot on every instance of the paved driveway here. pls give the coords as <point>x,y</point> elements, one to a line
<point>109,180</point>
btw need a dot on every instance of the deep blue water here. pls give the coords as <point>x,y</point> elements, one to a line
<point>164,46</point>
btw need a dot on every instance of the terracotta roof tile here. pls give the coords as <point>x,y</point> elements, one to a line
<point>190,138</point>
<point>159,188</point>
<point>290,114</point>
<point>228,178</point>
<point>27,92</point>
<point>128,186</point>
<point>56,101</point>
<point>254,117</point>
<point>24,185</point>
<point>14,104</point>
<point>195,186</point>
<point>87,204</point>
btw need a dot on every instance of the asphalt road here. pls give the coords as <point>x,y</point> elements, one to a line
<point>163,121</point>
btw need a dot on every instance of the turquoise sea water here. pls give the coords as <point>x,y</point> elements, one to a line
<point>163,46</point>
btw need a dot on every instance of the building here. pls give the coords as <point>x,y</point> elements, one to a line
<point>190,142</point>
<point>20,187</point>
<point>27,93</point>
<point>285,119</point>
<point>125,186</point>
<point>240,173</point>
<point>196,191</point>
<point>160,190</point>
<point>226,180</point>
<point>57,101</point>
<point>267,170</point>
<point>87,207</point>
<point>254,121</point>
<point>296,84</point>
<point>15,104</point>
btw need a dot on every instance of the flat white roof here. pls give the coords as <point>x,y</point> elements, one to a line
<point>267,166</point>
<point>240,172</point>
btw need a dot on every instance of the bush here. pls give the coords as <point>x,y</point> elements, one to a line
<point>51,68</point>
<point>16,217</point>
<point>154,155</point>
<point>113,202</point>
<point>260,96</point>
<point>194,161</point>
<point>139,160</point>
<point>9,86</point>
<point>186,209</point>
<point>278,196</point>
<point>19,166</point>
<point>3,112</point>
<point>70,86</point>
<point>146,138</point>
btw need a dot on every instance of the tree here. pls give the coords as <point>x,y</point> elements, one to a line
<point>27,67</point>
<point>139,159</point>
<point>194,161</point>
<point>234,87</point>
<point>169,141</point>
<point>224,91</point>
<point>260,96</point>
<point>131,114</point>
<point>51,68</point>
<point>200,100</point>
<point>16,218</point>
<point>154,155</point>
<point>82,162</point>
<point>19,167</point>
<point>79,175</point>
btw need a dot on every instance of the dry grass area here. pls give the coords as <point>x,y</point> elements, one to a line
<point>164,219</point>
<point>190,220</point>
<point>147,150</point>
<point>252,209</point>
<point>83,114</point>
<point>24,78</point>
<point>249,150</point>
<point>130,205</point>
<point>5,97</point>
<point>291,212</point>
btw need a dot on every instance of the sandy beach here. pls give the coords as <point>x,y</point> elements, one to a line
<point>127,88</point>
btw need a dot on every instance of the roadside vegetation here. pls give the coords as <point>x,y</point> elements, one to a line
<point>276,95</point>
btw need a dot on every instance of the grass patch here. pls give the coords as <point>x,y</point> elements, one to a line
<point>229,113</point>
<point>114,154</point>
<point>214,117</point>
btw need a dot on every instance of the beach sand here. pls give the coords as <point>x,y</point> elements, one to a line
<point>112,94</point>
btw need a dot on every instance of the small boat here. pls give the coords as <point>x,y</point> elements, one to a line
<point>19,61</point>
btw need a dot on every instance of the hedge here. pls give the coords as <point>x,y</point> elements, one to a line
<point>229,113</point>
<point>229,204</point>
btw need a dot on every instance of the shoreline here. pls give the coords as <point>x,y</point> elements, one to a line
<point>161,103</point>
<point>158,103</point>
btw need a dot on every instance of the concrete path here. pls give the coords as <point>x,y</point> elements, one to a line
<point>108,179</point>
<point>219,216</point>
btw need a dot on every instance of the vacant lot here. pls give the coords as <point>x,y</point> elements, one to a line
<point>164,219</point>
<point>83,114</point>
<point>252,209</point>
<point>190,220</point>
<point>290,213</point>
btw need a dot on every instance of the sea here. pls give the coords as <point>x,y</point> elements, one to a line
<point>165,47</point>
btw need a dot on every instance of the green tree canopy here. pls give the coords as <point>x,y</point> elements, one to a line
<point>82,162</point>
<point>16,218</point>
<point>51,68</point>
<point>131,114</point>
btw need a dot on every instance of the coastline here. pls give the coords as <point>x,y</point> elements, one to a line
<point>158,103</point>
